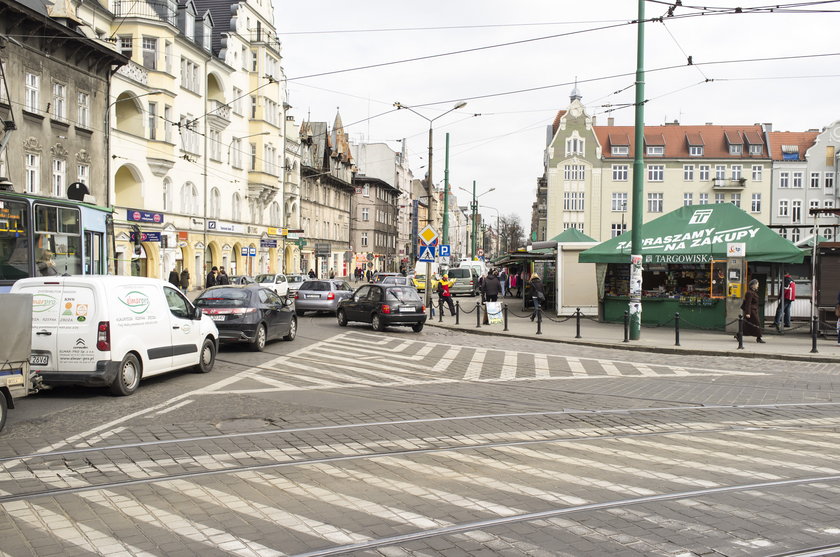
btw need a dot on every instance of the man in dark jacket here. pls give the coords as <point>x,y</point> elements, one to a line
<point>537,293</point>
<point>174,278</point>
<point>211,277</point>
<point>222,279</point>
<point>185,280</point>
<point>492,287</point>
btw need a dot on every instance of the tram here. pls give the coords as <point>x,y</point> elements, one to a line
<point>44,236</point>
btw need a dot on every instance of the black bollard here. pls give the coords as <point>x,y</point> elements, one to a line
<point>478,315</point>
<point>677,329</point>
<point>740,334</point>
<point>577,323</point>
<point>626,326</point>
<point>504,312</point>
<point>814,325</point>
<point>458,313</point>
<point>539,321</point>
<point>440,310</point>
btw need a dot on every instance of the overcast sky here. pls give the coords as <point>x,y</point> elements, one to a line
<point>498,141</point>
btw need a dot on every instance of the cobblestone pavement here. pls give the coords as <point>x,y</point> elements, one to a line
<point>442,443</point>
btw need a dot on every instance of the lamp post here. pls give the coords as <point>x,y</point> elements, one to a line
<point>498,230</point>
<point>474,213</point>
<point>429,178</point>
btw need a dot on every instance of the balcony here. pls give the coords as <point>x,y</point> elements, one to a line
<point>149,9</point>
<point>219,113</point>
<point>729,183</point>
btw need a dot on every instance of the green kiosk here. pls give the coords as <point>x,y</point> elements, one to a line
<point>696,261</point>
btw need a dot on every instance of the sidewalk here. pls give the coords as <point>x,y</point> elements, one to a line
<point>794,344</point>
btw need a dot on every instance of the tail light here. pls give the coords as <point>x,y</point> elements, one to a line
<point>423,309</point>
<point>331,296</point>
<point>385,308</point>
<point>103,336</point>
<point>297,296</point>
<point>227,311</point>
<point>471,283</point>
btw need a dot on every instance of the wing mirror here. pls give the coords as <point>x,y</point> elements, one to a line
<point>197,313</point>
<point>288,301</point>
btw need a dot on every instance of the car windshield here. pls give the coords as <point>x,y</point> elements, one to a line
<point>316,285</point>
<point>419,277</point>
<point>264,278</point>
<point>402,294</point>
<point>224,297</point>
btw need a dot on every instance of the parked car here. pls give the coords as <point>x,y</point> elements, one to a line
<point>111,331</point>
<point>248,314</point>
<point>465,281</point>
<point>397,280</point>
<point>241,279</point>
<point>321,295</point>
<point>295,281</point>
<point>276,282</point>
<point>380,276</point>
<point>383,305</point>
<point>420,282</point>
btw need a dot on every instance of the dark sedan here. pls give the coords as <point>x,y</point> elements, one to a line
<point>249,314</point>
<point>383,305</point>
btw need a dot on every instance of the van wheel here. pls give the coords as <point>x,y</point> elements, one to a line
<point>208,357</point>
<point>377,323</point>
<point>128,376</point>
<point>258,344</point>
<point>292,330</point>
<point>4,410</point>
<point>342,318</point>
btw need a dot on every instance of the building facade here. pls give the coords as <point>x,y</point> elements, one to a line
<point>374,215</point>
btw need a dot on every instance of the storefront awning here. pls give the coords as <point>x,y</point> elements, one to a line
<point>571,235</point>
<point>698,234</point>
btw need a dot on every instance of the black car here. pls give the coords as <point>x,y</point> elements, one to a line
<point>249,314</point>
<point>382,305</point>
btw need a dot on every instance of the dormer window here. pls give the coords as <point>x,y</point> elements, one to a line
<point>619,144</point>
<point>207,37</point>
<point>736,149</point>
<point>695,151</point>
<point>189,26</point>
<point>735,142</point>
<point>620,150</point>
<point>756,150</point>
<point>655,150</point>
<point>695,144</point>
<point>655,145</point>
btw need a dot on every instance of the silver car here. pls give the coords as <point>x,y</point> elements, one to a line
<point>294,282</point>
<point>321,295</point>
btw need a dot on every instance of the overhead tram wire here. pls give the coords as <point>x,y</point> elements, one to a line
<point>447,27</point>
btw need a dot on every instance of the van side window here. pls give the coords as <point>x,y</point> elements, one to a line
<point>178,305</point>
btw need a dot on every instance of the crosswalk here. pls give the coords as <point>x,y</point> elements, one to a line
<point>356,359</point>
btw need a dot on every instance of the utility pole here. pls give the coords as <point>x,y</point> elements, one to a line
<point>446,195</point>
<point>635,304</point>
<point>474,208</point>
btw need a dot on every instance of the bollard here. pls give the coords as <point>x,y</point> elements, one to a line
<point>440,310</point>
<point>814,326</point>
<point>740,334</point>
<point>539,320</point>
<point>504,312</point>
<point>626,326</point>
<point>478,315</point>
<point>677,329</point>
<point>458,313</point>
<point>577,323</point>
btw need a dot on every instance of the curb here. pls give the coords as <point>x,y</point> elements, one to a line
<point>645,348</point>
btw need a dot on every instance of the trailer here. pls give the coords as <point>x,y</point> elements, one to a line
<point>15,374</point>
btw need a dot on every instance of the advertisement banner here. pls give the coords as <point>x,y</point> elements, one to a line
<point>147,236</point>
<point>136,215</point>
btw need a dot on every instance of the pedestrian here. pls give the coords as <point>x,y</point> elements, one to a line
<point>752,323</point>
<point>537,293</point>
<point>444,295</point>
<point>332,273</point>
<point>174,278</point>
<point>492,286</point>
<point>211,277</point>
<point>369,275</point>
<point>785,300</point>
<point>46,265</point>
<point>222,279</point>
<point>514,283</point>
<point>503,281</point>
<point>185,280</point>
<point>312,273</point>
<point>481,288</point>
<point>837,314</point>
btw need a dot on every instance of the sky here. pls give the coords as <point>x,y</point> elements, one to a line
<point>498,141</point>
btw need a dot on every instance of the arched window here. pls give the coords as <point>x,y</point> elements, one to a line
<point>167,195</point>
<point>274,214</point>
<point>193,199</point>
<point>237,207</point>
<point>185,199</point>
<point>215,203</point>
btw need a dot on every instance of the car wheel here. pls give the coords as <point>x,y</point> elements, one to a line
<point>207,357</point>
<point>300,312</point>
<point>292,330</point>
<point>417,327</point>
<point>128,376</point>
<point>4,410</point>
<point>342,318</point>
<point>377,323</point>
<point>258,344</point>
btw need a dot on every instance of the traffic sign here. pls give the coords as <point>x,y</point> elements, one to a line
<point>426,254</point>
<point>428,235</point>
<point>444,250</point>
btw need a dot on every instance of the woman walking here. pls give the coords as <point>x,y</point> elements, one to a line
<point>752,322</point>
<point>537,293</point>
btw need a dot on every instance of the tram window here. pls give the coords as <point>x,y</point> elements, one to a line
<point>58,245</point>
<point>15,257</point>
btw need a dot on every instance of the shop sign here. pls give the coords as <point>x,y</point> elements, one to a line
<point>219,226</point>
<point>243,252</point>
<point>737,249</point>
<point>183,236</point>
<point>698,238</point>
<point>678,258</point>
<point>322,249</point>
<point>273,231</point>
<point>252,252</point>
<point>268,243</point>
<point>135,215</point>
<point>293,235</point>
<point>147,236</point>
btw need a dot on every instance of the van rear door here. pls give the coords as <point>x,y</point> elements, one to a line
<point>46,306</point>
<point>78,322</point>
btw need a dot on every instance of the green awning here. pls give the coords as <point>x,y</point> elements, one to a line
<point>571,235</point>
<point>698,234</point>
<point>809,242</point>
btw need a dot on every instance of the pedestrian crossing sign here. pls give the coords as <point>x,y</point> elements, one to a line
<point>426,254</point>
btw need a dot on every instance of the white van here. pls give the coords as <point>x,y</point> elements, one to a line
<point>113,330</point>
<point>479,266</point>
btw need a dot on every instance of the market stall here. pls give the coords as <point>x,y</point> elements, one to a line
<point>696,261</point>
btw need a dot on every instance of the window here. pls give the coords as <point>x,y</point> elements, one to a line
<point>125,45</point>
<point>617,229</point>
<point>236,212</point>
<point>167,194</point>
<point>574,172</point>
<point>364,239</point>
<point>59,101</point>
<point>784,179</point>
<point>83,110</point>
<point>704,199</point>
<point>620,150</point>
<point>619,202</point>
<point>828,234</point>
<point>757,171</point>
<point>244,56</point>
<point>215,203</point>
<point>215,144</point>
<point>573,201</point>
<point>656,172</point>
<point>704,172</point>
<point>829,204</point>
<point>3,97</point>
<point>152,114</point>
<point>655,150</point>
<point>189,25</point>
<point>688,199</point>
<point>253,162</point>
<point>58,230</point>
<point>167,56</point>
<point>254,61</point>
<point>365,214</point>
<point>33,173</point>
<point>574,146</point>
<point>756,149</point>
<point>189,137</point>
<point>755,204</point>
<point>829,179</point>
<point>736,171</point>
<point>794,235</point>
<point>237,101</point>
<point>814,204</point>
<point>783,208</point>
<point>655,202</point>
<point>815,179</point>
<point>797,180</point>
<point>167,123</point>
<point>366,190</point>
<point>83,173</point>
<point>59,177</point>
<point>31,101</point>
<point>619,172</point>
<point>189,76</point>
<point>695,151</point>
<point>736,149</point>
<point>720,171</point>
<point>150,52</point>
<point>720,198</point>
<point>796,211</point>
<point>253,107</point>
<point>736,199</point>
<point>688,172</point>
<point>236,152</point>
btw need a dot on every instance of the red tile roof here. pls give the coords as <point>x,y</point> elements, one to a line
<point>677,138</point>
<point>556,124</point>
<point>802,140</point>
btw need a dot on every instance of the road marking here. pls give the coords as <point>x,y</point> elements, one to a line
<point>575,366</point>
<point>446,360</point>
<point>509,366</point>
<point>541,370</point>
<point>476,363</point>
<point>174,407</point>
<point>609,367</point>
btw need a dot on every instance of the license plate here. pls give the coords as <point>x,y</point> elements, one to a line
<point>406,309</point>
<point>39,359</point>
<point>218,317</point>
<point>313,295</point>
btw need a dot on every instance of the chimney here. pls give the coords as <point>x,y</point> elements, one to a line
<point>709,124</point>
<point>610,121</point>
<point>768,126</point>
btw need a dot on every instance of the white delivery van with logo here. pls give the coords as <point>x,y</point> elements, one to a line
<point>112,330</point>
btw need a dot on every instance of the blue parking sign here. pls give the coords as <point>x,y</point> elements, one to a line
<point>444,250</point>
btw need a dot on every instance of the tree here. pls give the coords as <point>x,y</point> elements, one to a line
<point>512,236</point>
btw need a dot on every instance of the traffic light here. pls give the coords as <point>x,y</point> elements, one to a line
<point>138,249</point>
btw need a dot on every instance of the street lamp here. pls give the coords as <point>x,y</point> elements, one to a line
<point>429,179</point>
<point>474,207</point>
<point>498,230</point>
<point>239,138</point>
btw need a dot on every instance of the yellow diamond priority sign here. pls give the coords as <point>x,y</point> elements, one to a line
<point>427,235</point>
